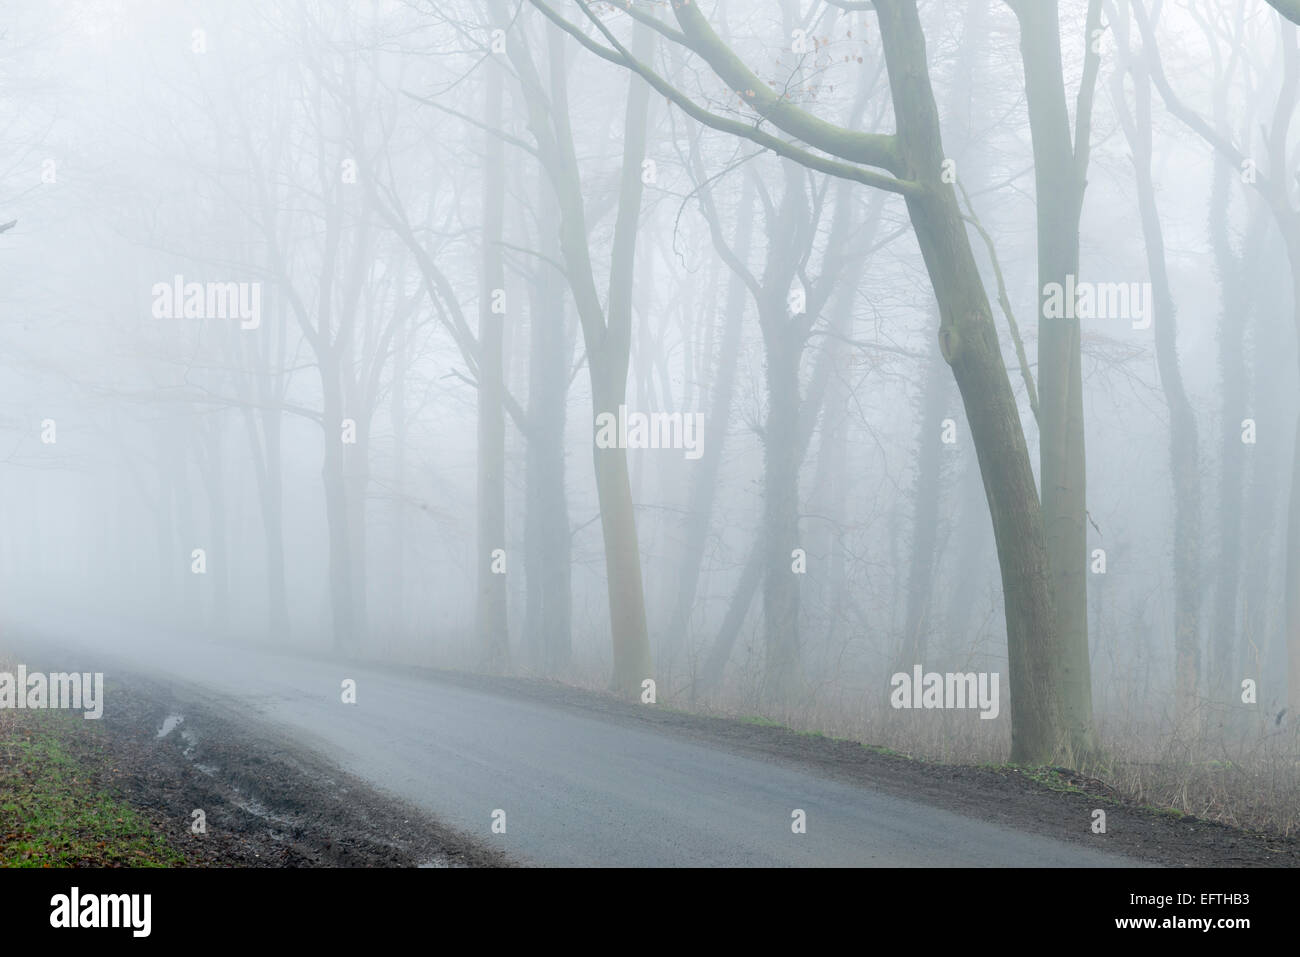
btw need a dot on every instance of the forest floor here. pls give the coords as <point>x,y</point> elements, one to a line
<point>118,791</point>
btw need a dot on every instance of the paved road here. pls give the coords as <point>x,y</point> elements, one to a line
<point>577,790</point>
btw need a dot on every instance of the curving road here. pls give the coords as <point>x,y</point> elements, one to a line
<point>576,790</point>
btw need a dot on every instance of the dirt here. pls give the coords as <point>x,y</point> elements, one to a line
<point>267,801</point>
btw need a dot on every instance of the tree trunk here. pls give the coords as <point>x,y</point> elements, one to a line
<point>1232,375</point>
<point>631,642</point>
<point>548,542</point>
<point>1184,459</point>
<point>968,341</point>
<point>336,511</point>
<point>218,551</point>
<point>1059,194</point>
<point>1291,233</point>
<point>743,596</point>
<point>490,614</point>
<point>704,478</point>
<point>782,674</point>
<point>925,517</point>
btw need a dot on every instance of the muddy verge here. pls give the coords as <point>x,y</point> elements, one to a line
<point>266,801</point>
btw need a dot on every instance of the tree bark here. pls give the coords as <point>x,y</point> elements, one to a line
<point>968,341</point>
<point>548,541</point>
<point>491,609</point>
<point>1059,181</point>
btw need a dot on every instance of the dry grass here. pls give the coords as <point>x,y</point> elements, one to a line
<point>1230,765</point>
<point>1239,770</point>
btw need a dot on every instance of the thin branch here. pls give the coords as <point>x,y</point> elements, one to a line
<point>619,56</point>
<point>1004,301</point>
<point>1176,106</point>
<point>499,134</point>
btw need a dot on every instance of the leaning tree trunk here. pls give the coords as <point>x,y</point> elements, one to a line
<point>968,340</point>
<point>937,391</point>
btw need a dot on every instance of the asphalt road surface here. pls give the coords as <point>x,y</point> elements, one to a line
<point>576,790</point>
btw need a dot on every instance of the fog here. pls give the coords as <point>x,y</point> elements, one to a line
<point>311,312</point>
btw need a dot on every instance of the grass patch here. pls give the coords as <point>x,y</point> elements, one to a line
<point>888,752</point>
<point>1049,778</point>
<point>52,815</point>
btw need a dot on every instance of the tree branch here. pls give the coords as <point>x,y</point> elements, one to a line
<point>1288,8</point>
<point>1003,300</point>
<point>617,54</point>
<point>1176,106</point>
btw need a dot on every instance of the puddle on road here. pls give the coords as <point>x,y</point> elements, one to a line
<point>169,724</point>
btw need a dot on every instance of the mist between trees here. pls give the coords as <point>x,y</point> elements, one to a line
<point>763,351</point>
